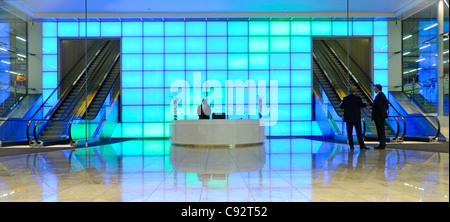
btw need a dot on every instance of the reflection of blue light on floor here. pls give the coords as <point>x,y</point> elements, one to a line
<point>292,169</point>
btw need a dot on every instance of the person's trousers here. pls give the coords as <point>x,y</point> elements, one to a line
<point>379,123</point>
<point>358,129</point>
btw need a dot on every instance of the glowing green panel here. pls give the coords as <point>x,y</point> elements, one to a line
<point>259,61</point>
<point>237,61</point>
<point>258,28</point>
<point>153,129</point>
<point>131,114</point>
<point>300,28</point>
<point>279,44</point>
<point>258,44</point>
<point>132,130</point>
<point>279,28</point>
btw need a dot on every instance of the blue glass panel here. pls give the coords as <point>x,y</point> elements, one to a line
<point>216,44</point>
<point>301,128</point>
<point>380,77</point>
<point>322,28</point>
<point>280,129</point>
<point>174,44</point>
<point>153,96</point>
<point>199,75</point>
<point>195,28</point>
<point>153,79</point>
<point>258,28</point>
<point>174,28</point>
<point>300,28</point>
<point>282,77</point>
<point>259,61</point>
<point>216,28</point>
<point>67,29</point>
<point>93,29</point>
<point>49,29</point>
<point>49,45</point>
<point>131,114</point>
<point>237,28</point>
<point>279,44</point>
<point>339,28</point>
<point>380,60</point>
<point>220,76</point>
<point>49,63</point>
<point>301,78</point>
<point>111,29</point>
<point>380,27</point>
<point>195,44</point>
<point>132,29</point>
<point>132,45</point>
<point>279,28</point>
<point>50,80</point>
<point>153,62</point>
<point>132,79</point>
<point>301,95</point>
<point>238,75</point>
<point>171,76</point>
<point>284,111</point>
<point>153,28</point>
<point>131,96</point>
<point>174,61</point>
<point>362,27</point>
<point>380,44</point>
<point>238,44</point>
<point>259,75</point>
<point>195,61</point>
<point>153,45</point>
<point>301,112</point>
<point>131,61</point>
<point>216,61</point>
<point>284,95</point>
<point>301,61</point>
<point>300,44</point>
<point>132,130</point>
<point>280,61</point>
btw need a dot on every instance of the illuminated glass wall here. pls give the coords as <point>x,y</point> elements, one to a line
<point>156,54</point>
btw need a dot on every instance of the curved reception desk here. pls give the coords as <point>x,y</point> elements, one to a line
<point>217,132</point>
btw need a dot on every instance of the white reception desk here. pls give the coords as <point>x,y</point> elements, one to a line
<point>217,132</point>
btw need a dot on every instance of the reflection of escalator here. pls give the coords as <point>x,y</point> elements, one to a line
<point>10,103</point>
<point>56,127</point>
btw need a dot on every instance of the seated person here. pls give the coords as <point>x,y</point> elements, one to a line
<point>204,110</point>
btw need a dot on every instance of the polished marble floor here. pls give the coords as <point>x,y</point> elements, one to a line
<point>281,170</point>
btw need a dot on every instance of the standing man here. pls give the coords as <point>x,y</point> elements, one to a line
<point>352,105</point>
<point>204,110</point>
<point>379,115</point>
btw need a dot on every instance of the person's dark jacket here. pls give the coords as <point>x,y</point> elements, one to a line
<point>380,107</point>
<point>352,105</point>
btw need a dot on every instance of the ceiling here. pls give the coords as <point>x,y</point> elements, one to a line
<point>219,8</point>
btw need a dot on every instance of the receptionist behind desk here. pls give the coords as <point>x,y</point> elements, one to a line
<point>204,110</point>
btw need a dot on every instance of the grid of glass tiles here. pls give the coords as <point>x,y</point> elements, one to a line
<point>156,53</point>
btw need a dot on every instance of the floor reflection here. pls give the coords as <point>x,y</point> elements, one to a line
<point>279,170</point>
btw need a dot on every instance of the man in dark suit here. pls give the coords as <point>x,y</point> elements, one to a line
<point>379,115</point>
<point>352,105</point>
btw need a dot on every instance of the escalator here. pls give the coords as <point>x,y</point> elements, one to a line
<point>330,76</point>
<point>85,93</point>
<point>331,79</point>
